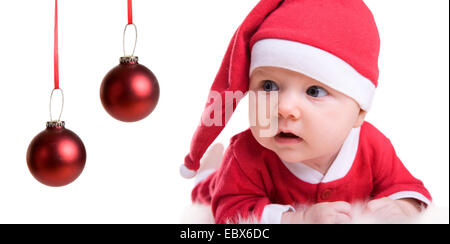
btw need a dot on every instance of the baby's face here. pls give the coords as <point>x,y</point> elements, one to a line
<point>313,119</point>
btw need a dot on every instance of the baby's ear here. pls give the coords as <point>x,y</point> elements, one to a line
<point>360,118</point>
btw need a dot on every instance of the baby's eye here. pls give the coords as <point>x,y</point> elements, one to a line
<point>269,86</point>
<point>316,91</point>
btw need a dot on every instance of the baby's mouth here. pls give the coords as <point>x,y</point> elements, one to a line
<point>287,138</point>
<point>287,135</point>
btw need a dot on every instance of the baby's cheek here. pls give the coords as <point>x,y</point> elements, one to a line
<point>266,142</point>
<point>263,115</point>
<point>326,136</point>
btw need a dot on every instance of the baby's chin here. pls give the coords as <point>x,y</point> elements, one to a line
<point>290,157</point>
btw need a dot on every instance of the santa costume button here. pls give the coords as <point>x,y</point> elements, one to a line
<point>326,194</point>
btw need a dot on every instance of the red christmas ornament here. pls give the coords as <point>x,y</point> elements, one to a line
<point>56,156</point>
<point>130,91</point>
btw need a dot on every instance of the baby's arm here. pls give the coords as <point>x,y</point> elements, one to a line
<point>320,213</point>
<point>387,208</point>
<point>384,209</point>
<point>238,195</point>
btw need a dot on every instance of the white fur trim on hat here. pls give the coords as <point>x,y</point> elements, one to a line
<point>315,63</point>
<point>187,173</point>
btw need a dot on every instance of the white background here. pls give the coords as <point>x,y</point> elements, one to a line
<point>131,173</point>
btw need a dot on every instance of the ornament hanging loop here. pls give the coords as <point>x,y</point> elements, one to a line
<point>135,40</point>
<point>62,104</point>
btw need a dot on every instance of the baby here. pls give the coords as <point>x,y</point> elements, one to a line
<point>319,60</point>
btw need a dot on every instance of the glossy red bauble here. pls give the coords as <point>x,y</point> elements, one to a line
<point>130,91</point>
<point>56,156</point>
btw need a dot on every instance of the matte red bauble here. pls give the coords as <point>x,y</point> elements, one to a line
<point>56,156</point>
<point>130,91</point>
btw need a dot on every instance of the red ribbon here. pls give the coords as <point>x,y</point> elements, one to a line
<point>55,51</point>
<point>130,12</point>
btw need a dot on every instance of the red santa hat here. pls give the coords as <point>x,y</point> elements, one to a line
<point>333,41</point>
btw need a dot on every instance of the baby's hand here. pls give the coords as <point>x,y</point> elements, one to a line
<point>387,208</point>
<point>328,213</point>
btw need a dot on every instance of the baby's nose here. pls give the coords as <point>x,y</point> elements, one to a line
<point>288,107</point>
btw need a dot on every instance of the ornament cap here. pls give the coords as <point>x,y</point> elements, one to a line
<point>55,124</point>
<point>129,60</point>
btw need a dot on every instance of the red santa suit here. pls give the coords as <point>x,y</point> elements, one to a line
<point>254,182</point>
